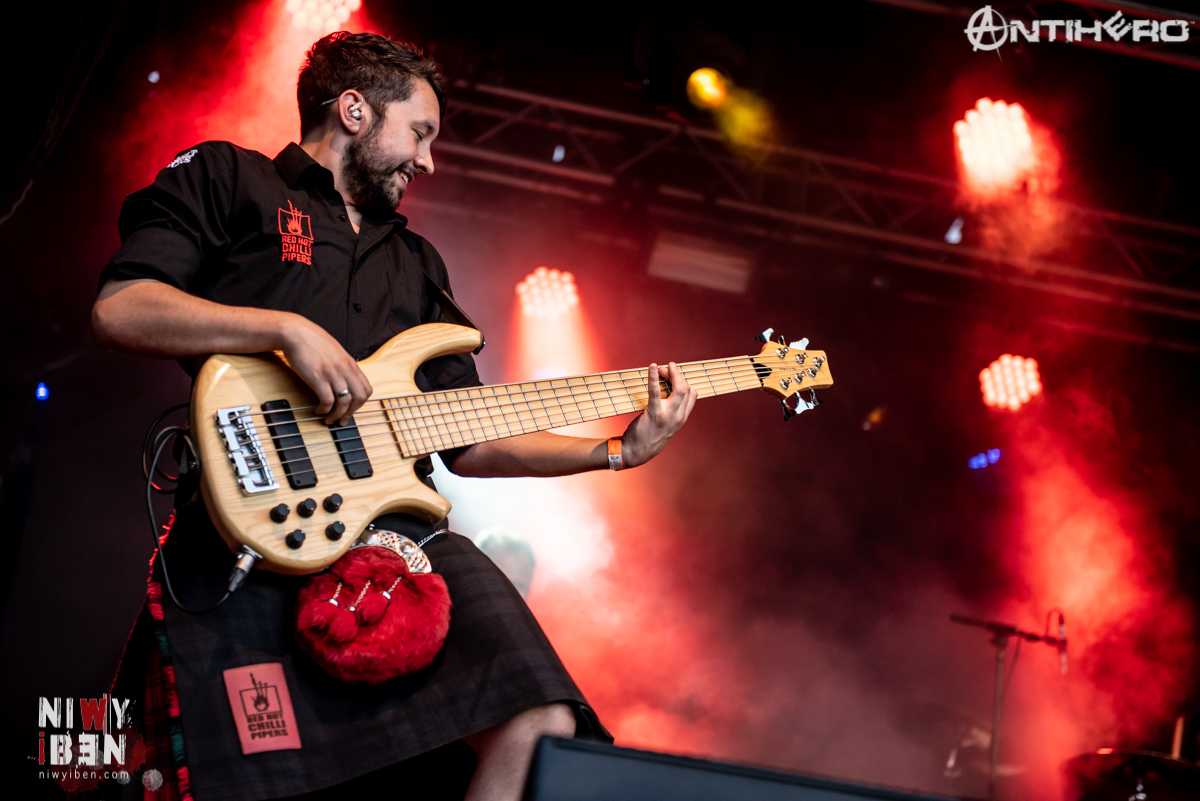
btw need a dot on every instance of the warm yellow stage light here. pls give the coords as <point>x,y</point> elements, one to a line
<point>707,88</point>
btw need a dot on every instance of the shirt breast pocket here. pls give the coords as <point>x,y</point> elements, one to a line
<point>408,298</point>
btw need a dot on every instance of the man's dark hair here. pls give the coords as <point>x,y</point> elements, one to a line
<point>382,70</point>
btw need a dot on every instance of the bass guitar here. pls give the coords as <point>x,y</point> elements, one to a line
<point>282,486</point>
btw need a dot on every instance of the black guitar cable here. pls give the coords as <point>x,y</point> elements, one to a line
<point>147,449</point>
<point>188,462</point>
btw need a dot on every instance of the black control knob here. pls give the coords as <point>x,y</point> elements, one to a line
<point>295,539</point>
<point>335,530</point>
<point>280,513</point>
<point>333,503</point>
<point>306,507</point>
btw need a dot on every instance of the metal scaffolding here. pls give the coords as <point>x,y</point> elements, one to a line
<point>685,173</point>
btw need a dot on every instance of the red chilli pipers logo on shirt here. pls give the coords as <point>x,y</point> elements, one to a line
<point>296,229</point>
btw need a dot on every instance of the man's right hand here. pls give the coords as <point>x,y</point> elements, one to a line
<point>324,365</point>
<point>150,318</point>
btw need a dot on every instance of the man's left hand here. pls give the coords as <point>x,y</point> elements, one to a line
<point>651,430</point>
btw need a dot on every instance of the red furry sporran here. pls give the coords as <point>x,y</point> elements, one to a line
<point>377,613</point>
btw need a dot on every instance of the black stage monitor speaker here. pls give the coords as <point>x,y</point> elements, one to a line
<point>571,770</point>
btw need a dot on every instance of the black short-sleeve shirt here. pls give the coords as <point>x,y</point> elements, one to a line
<point>235,227</point>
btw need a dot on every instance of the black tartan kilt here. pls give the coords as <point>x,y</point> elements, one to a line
<point>496,663</point>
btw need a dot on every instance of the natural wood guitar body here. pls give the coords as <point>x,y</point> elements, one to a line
<point>394,429</point>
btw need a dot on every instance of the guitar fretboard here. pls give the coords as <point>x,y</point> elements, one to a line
<point>436,421</point>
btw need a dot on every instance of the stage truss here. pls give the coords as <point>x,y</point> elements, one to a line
<point>689,175</point>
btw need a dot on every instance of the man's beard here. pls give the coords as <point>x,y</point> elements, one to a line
<point>370,179</point>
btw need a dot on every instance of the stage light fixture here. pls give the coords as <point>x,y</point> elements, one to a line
<point>547,293</point>
<point>995,144</point>
<point>42,393</point>
<point>707,88</point>
<point>1010,382</point>
<point>321,16</point>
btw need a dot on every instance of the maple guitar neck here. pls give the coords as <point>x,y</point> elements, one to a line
<point>436,421</point>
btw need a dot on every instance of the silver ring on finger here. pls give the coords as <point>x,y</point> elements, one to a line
<point>343,393</point>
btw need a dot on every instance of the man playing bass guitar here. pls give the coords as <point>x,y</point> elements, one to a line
<point>229,251</point>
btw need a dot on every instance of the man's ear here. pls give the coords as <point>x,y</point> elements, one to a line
<point>354,113</point>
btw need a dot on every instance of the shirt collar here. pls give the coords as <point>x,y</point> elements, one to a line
<point>293,163</point>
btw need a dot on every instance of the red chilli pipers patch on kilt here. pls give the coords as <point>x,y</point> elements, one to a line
<point>262,708</point>
<point>296,229</point>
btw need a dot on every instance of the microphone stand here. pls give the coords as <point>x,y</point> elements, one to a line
<point>1000,635</point>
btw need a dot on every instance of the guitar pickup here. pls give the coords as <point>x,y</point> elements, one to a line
<point>350,447</point>
<point>289,444</point>
<point>244,449</point>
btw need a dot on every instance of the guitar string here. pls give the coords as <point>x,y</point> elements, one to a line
<point>415,449</point>
<point>433,402</point>
<point>746,365</point>
<point>425,408</point>
<point>476,420</point>
<point>415,443</point>
<point>324,463</point>
<point>683,366</point>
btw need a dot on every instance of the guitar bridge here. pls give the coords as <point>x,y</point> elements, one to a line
<point>245,450</point>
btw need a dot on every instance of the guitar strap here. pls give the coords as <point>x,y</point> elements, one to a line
<point>451,309</point>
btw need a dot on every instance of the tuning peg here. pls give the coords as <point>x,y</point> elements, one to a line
<point>765,336</point>
<point>813,400</point>
<point>799,344</point>
<point>788,411</point>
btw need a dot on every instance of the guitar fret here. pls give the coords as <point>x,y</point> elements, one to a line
<point>552,394</point>
<point>407,432</point>
<point>711,386</point>
<point>389,407</point>
<point>457,418</point>
<point>515,415</point>
<point>475,422</point>
<point>535,410</point>
<point>428,433</point>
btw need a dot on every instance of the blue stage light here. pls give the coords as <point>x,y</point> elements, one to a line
<point>982,460</point>
<point>43,392</point>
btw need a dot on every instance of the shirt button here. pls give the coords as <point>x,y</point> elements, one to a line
<point>357,308</point>
<point>342,217</point>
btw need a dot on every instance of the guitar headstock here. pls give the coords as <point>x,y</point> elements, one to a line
<point>788,369</point>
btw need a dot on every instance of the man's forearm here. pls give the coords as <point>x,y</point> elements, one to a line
<point>539,454</point>
<point>151,318</point>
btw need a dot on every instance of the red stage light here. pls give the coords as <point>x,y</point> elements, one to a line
<point>1009,382</point>
<point>995,144</point>
<point>321,16</point>
<point>547,293</point>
